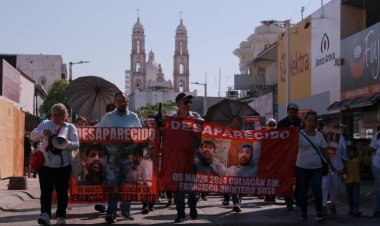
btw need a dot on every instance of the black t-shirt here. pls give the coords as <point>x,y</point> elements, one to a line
<point>286,122</point>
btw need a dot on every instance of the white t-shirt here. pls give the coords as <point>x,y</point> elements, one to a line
<point>375,144</point>
<point>307,156</point>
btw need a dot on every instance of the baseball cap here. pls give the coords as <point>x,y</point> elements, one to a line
<point>292,106</point>
<point>183,96</point>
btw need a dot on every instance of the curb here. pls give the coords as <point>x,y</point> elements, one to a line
<point>11,198</point>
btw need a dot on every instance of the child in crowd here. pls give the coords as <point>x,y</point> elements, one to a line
<point>353,180</point>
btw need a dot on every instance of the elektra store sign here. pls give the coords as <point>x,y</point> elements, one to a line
<point>361,68</point>
<point>326,54</point>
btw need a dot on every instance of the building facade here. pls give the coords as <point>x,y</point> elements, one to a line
<point>146,81</point>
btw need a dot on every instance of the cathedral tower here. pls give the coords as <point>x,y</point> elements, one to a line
<point>138,69</point>
<point>181,60</point>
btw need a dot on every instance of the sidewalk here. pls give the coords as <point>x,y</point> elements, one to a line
<point>10,198</point>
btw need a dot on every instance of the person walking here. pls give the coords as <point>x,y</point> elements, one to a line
<point>291,120</point>
<point>352,180</point>
<point>271,124</point>
<point>312,150</point>
<point>55,172</point>
<point>337,146</point>
<point>184,102</point>
<point>120,117</point>
<point>375,147</point>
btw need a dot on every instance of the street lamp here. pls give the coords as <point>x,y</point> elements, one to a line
<point>286,24</point>
<point>205,96</point>
<point>71,68</point>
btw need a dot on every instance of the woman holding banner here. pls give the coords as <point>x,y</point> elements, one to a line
<point>55,172</point>
<point>312,147</point>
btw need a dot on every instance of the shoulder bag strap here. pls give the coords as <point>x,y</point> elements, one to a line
<point>315,148</point>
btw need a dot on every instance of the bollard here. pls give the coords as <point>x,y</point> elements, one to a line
<point>18,183</point>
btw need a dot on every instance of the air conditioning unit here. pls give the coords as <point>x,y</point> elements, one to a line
<point>232,94</point>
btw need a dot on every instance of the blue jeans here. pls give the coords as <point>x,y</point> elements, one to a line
<point>376,177</point>
<point>303,178</point>
<point>353,194</point>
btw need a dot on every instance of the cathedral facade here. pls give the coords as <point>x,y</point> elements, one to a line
<point>146,81</point>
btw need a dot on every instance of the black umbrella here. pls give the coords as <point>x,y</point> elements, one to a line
<point>229,113</point>
<point>89,96</point>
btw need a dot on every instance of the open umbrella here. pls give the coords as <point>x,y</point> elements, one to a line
<point>89,96</point>
<point>229,113</point>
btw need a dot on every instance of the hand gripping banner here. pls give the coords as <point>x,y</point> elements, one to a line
<point>201,156</point>
<point>114,164</point>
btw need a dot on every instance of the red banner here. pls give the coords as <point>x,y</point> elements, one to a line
<point>201,156</point>
<point>115,164</point>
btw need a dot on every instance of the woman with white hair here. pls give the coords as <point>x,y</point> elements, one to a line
<point>55,172</point>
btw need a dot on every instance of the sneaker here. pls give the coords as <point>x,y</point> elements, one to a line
<point>145,210</point>
<point>357,214</point>
<point>320,217</point>
<point>151,208</point>
<point>61,221</point>
<point>110,219</point>
<point>44,219</point>
<point>100,208</point>
<point>179,220</point>
<point>225,203</point>
<point>193,214</point>
<point>351,213</point>
<point>236,208</point>
<point>128,216</point>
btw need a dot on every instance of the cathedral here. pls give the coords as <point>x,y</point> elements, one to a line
<point>146,81</point>
<point>148,75</point>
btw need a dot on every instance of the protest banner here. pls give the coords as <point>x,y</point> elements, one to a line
<point>115,164</point>
<point>201,156</point>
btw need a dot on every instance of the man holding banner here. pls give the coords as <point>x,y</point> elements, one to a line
<point>292,120</point>
<point>184,102</point>
<point>120,117</point>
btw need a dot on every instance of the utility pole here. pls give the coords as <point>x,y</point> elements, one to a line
<point>220,77</point>
<point>71,68</point>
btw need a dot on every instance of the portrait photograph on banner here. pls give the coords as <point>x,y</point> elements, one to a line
<point>205,157</point>
<point>114,163</point>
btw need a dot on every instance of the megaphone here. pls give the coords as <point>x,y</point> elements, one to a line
<point>60,140</point>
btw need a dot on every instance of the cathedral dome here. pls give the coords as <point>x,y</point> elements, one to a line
<point>138,25</point>
<point>152,67</point>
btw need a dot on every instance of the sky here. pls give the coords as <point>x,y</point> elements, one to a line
<point>100,31</point>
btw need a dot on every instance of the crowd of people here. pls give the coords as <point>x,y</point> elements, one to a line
<point>314,148</point>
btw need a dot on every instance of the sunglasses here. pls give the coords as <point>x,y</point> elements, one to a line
<point>271,124</point>
<point>187,102</point>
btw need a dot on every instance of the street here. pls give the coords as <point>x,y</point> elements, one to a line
<point>210,212</point>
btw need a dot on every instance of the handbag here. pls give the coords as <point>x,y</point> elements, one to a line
<point>325,166</point>
<point>37,160</point>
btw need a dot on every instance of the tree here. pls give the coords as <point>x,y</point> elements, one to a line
<point>150,110</point>
<point>56,94</point>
